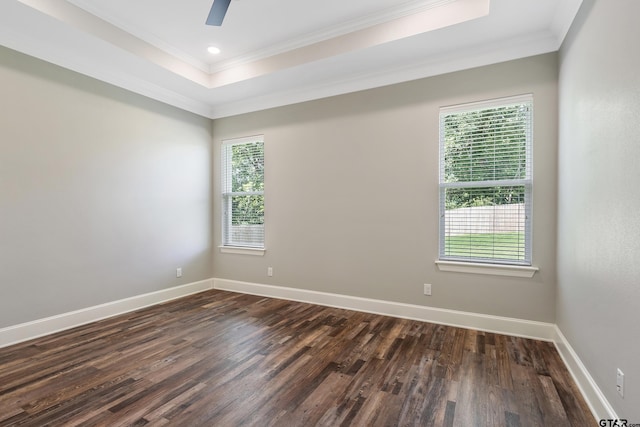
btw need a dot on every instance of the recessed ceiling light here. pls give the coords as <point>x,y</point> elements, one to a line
<point>213,50</point>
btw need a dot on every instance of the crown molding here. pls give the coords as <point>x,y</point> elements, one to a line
<point>361,23</point>
<point>81,20</point>
<point>85,66</point>
<point>145,36</point>
<point>541,43</point>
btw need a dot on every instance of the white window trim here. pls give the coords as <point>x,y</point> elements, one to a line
<point>492,269</point>
<point>240,250</point>
<point>501,268</point>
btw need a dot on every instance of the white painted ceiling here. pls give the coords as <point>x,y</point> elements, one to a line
<point>277,52</point>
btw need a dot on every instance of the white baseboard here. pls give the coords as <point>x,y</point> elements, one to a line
<point>502,325</point>
<point>596,400</point>
<point>37,328</point>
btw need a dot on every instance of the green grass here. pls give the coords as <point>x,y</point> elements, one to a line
<point>492,246</point>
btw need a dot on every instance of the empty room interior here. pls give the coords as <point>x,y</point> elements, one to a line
<point>373,212</point>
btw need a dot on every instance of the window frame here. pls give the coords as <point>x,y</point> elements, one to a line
<point>226,197</point>
<point>486,265</point>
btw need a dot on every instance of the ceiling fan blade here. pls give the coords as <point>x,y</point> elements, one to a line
<point>218,10</point>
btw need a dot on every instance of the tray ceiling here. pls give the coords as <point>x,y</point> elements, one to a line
<point>277,52</point>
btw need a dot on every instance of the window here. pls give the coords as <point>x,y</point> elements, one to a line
<point>243,192</point>
<point>485,181</point>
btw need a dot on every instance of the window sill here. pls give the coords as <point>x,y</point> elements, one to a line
<point>242,251</point>
<point>493,269</point>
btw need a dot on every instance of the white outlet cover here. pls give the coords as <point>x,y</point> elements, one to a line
<point>620,382</point>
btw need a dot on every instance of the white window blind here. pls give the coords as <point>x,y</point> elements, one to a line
<point>243,192</point>
<point>486,181</point>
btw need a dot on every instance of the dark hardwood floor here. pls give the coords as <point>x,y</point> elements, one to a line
<point>224,359</point>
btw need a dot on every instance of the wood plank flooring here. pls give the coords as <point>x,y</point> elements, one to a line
<point>225,359</point>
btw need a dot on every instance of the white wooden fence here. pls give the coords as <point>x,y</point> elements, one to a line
<point>485,219</point>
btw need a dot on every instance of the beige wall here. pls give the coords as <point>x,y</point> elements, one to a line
<point>352,193</point>
<point>103,193</point>
<point>599,230</point>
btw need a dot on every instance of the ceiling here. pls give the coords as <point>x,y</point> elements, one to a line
<point>277,52</point>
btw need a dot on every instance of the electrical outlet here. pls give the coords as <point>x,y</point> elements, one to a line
<point>270,271</point>
<point>620,382</point>
<point>427,289</point>
<point>179,272</point>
